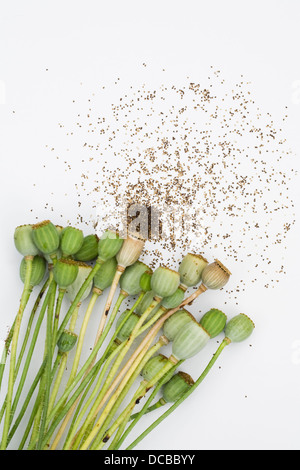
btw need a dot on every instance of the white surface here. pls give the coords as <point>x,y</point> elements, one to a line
<point>49,51</point>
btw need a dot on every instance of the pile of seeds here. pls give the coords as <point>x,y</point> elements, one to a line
<point>204,155</point>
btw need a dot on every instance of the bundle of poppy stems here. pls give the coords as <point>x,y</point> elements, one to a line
<point>82,406</point>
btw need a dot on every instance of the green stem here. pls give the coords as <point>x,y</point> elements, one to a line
<point>14,344</point>
<point>89,310</point>
<point>158,404</point>
<point>172,408</point>
<point>98,385</point>
<point>61,293</point>
<point>60,415</point>
<point>137,416</point>
<point>63,364</point>
<point>26,401</point>
<point>81,373</point>
<point>106,357</point>
<point>117,400</point>
<point>29,353</point>
<point>140,393</point>
<point>123,352</point>
<point>49,340</point>
<point>77,299</point>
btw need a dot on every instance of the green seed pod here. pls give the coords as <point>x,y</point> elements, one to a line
<point>130,279</point>
<point>145,303</point>
<point>46,237</point>
<point>153,366</point>
<point>172,301</point>
<point>176,387</point>
<point>71,241</point>
<point>213,322</point>
<point>130,251</point>
<point>176,322</point>
<point>189,341</point>
<point>104,276</point>
<point>128,326</point>
<point>89,249</point>
<point>239,328</point>
<point>65,272</point>
<point>37,272</point>
<point>164,281</point>
<point>83,272</point>
<point>215,275</point>
<point>66,341</point>
<point>109,245</point>
<point>191,268</point>
<point>24,242</point>
<point>145,281</point>
<point>58,252</point>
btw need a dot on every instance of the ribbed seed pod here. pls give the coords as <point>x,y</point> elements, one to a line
<point>83,272</point>
<point>58,252</point>
<point>24,242</point>
<point>175,388</point>
<point>191,268</point>
<point>46,237</point>
<point>189,341</point>
<point>164,281</point>
<point>130,251</point>
<point>145,303</point>
<point>215,275</point>
<point>130,279</point>
<point>65,272</point>
<point>66,341</point>
<point>109,245</point>
<point>128,326</point>
<point>176,322</point>
<point>71,241</point>
<point>239,328</point>
<point>145,281</point>
<point>89,249</point>
<point>213,322</point>
<point>172,301</point>
<point>104,276</point>
<point>37,271</point>
<point>153,366</point>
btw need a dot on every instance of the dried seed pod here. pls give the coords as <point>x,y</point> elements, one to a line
<point>175,388</point>
<point>176,322</point>
<point>213,322</point>
<point>24,242</point>
<point>164,282</point>
<point>66,341</point>
<point>130,279</point>
<point>105,275</point>
<point>191,268</point>
<point>46,237</point>
<point>65,272</point>
<point>153,366</point>
<point>189,341</point>
<point>109,245</point>
<point>130,251</point>
<point>71,241</point>
<point>37,271</point>
<point>215,275</point>
<point>239,328</point>
<point>89,249</point>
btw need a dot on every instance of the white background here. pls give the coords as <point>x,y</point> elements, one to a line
<point>47,50</point>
